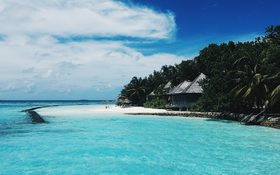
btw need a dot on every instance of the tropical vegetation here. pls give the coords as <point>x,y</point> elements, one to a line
<point>241,76</point>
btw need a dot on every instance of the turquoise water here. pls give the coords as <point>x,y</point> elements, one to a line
<point>122,144</point>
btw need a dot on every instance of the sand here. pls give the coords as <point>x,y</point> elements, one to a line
<point>91,110</point>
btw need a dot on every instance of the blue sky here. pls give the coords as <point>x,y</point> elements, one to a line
<point>200,22</point>
<point>88,49</point>
<point>219,17</point>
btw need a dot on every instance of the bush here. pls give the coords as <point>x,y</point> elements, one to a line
<point>156,103</point>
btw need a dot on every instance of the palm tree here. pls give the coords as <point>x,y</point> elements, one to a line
<point>137,91</point>
<point>256,89</point>
<point>252,84</point>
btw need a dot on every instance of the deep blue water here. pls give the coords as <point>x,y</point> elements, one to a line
<point>123,144</point>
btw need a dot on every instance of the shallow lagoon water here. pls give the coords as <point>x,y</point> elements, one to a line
<point>123,144</point>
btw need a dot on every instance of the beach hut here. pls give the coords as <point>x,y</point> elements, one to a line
<point>126,103</point>
<point>186,93</point>
<point>163,92</point>
<point>151,96</point>
<point>167,87</point>
<point>180,88</point>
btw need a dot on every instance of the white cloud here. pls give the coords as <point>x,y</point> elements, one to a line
<point>33,61</point>
<point>83,17</point>
<point>81,63</point>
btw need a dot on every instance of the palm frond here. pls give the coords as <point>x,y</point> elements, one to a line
<point>247,93</point>
<point>275,95</point>
<point>266,88</point>
<point>271,78</point>
<point>258,78</point>
<point>240,91</point>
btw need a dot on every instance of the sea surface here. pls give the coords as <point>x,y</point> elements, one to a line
<point>123,144</point>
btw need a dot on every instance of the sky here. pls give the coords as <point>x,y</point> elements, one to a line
<point>89,49</point>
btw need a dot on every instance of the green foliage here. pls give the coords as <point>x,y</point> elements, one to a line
<point>139,88</point>
<point>241,77</point>
<point>275,95</point>
<point>156,103</point>
<point>135,91</point>
<point>253,86</point>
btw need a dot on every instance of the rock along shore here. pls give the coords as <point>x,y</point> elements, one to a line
<point>268,120</point>
<point>262,119</point>
<point>34,116</point>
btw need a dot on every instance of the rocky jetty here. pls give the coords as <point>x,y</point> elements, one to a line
<point>35,117</point>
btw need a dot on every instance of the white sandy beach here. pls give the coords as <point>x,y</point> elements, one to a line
<point>93,109</point>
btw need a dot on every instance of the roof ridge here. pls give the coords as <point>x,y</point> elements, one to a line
<point>185,90</point>
<point>176,88</point>
<point>193,82</point>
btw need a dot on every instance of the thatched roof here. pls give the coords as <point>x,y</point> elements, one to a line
<point>166,89</point>
<point>195,87</point>
<point>126,101</point>
<point>152,93</point>
<point>180,88</point>
<point>167,85</point>
<point>187,87</point>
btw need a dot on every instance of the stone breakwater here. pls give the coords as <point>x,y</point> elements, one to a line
<point>34,116</point>
<point>261,119</point>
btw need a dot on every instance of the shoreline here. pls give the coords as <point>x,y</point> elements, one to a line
<point>272,122</point>
<point>268,120</point>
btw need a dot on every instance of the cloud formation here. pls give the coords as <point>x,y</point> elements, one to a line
<point>35,63</point>
<point>83,17</point>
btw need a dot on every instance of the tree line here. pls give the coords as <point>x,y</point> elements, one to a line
<point>241,76</point>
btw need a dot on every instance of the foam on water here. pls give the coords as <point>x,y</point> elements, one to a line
<point>122,144</point>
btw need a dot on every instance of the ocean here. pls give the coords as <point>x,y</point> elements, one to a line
<point>124,144</point>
